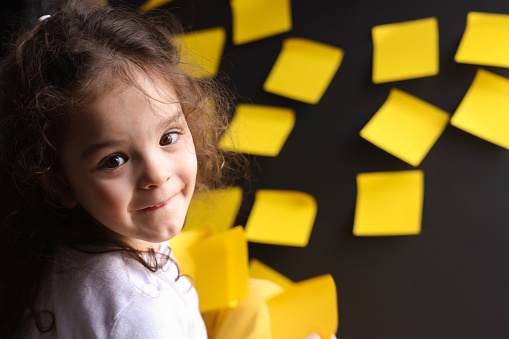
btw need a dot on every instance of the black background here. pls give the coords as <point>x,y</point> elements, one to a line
<point>452,280</point>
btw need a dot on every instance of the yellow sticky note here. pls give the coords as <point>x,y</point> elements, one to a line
<point>484,41</point>
<point>389,203</point>
<point>308,306</point>
<point>180,247</point>
<point>249,319</point>
<point>217,209</point>
<point>484,110</point>
<point>258,19</point>
<point>303,70</point>
<point>152,4</point>
<point>259,270</point>
<point>244,132</point>
<point>220,268</point>
<point>201,51</point>
<point>405,50</point>
<point>406,127</point>
<point>281,217</point>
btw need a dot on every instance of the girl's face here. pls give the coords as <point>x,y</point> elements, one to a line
<point>131,163</point>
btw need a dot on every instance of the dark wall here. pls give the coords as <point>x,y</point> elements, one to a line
<point>452,280</point>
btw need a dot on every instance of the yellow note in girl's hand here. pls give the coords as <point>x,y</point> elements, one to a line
<point>309,306</point>
<point>220,268</point>
<point>259,270</point>
<point>180,247</point>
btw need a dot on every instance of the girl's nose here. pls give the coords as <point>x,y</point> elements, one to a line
<point>154,172</point>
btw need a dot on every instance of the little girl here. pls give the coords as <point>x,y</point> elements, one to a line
<point>103,141</point>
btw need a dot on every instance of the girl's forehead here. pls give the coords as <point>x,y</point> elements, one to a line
<point>126,115</point>
<point>140,89</point>
<point>150,84</point>
<point>144,100</point>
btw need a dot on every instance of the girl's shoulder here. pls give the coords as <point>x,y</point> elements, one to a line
<point>111,292</point>
<point>114,275</point>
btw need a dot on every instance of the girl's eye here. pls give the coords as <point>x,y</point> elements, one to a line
<point>114,161</point>
<point>169,138</point>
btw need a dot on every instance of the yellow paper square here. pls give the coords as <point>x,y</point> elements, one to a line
<point>249,319</point>
<point>406,127</point>
<point>303,70</point>
<point>484,41</point>
<point>180,247</point>
<point>258,19</point>
<point>281,217</point>
<point>389,203</point>
<point>201,51</point>
<point>244,132</point>
<point>217,209</point>
<point>308,306</point>
<point>405,50</point>
<point>220,268</point>
<point>152,4</point>
<point>259,270</point>
<point>484,110</point>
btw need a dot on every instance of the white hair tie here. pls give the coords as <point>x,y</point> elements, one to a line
<point>43,18</point>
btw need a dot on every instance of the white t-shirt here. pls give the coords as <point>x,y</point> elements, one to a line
<point>113,296</point>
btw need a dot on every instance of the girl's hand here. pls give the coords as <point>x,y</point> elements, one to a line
<point>316,336</point>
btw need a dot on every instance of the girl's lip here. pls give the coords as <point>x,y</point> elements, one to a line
<point>156,207</point>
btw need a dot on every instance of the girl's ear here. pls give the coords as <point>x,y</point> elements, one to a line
<point>70,204</point>
<point>58,191</point>
<point>65,196</point>
<point>62,199</point>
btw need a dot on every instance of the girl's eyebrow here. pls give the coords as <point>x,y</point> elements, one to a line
<point>173,118</point>
<point>96,146</point>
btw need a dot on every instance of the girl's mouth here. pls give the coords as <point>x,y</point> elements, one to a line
<point>156,207</point>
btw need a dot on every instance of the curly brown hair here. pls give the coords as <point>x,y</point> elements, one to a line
<point>52,72</point>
